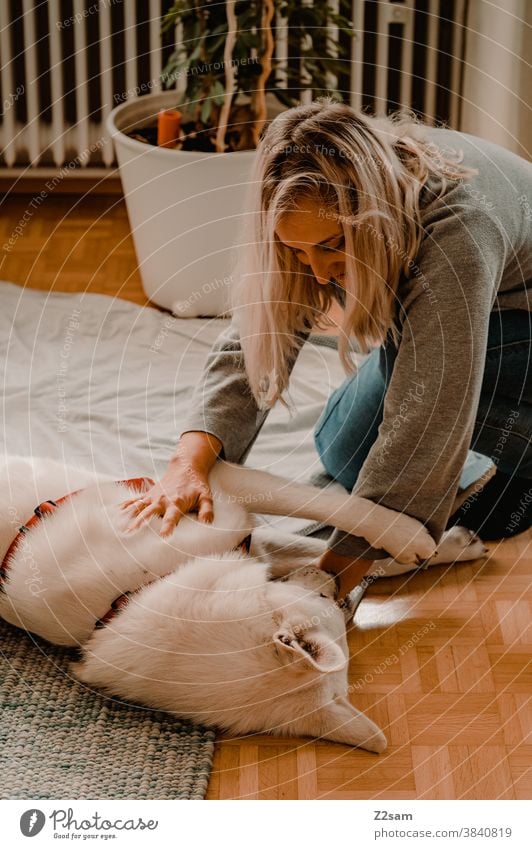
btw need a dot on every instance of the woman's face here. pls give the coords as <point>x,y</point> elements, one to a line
<point>316,240</point>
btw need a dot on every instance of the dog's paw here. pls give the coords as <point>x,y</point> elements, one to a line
<point>350,603</point>
<point>312,578</point>
<point>348,607</point>
<point>459,544</point>
<point>405,538</point>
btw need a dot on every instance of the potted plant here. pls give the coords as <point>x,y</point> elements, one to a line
<point>184,202</point>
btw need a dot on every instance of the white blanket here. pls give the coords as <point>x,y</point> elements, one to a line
<point>100,381</point>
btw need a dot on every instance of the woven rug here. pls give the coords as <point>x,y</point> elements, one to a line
<point>59,740</point>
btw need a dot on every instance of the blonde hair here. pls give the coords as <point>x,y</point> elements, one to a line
<point>369,173</point>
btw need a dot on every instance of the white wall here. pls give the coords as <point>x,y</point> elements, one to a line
<point>497,103</point>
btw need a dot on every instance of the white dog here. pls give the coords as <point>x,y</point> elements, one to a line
<point>244,642</point>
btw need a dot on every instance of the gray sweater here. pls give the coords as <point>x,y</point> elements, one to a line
<point>475,257</point>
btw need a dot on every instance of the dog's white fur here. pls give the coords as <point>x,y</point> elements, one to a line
<point>217,638</point>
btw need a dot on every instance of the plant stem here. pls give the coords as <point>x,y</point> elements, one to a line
<point>229,72</point>
<point>259,96</point>
<point>202,20</point>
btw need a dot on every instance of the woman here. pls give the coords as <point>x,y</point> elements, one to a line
<point>424,237</point>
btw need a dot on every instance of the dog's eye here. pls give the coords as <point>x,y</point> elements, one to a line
<point>322,595</point>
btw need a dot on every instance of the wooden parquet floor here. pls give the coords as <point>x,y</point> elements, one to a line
<point>70,244</point>
<point>441,661</point>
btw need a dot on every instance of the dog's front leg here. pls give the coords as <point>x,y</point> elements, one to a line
<point>291,557</point>
<point>284,552</point>
<point>457,545</point>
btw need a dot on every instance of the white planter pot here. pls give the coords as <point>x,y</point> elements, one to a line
<point>184,208</point>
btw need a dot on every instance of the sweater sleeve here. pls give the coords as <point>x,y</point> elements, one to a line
<point>222,403</point>
<point>414,465</point>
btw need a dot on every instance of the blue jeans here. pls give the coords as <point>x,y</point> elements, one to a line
<point>349,424</point>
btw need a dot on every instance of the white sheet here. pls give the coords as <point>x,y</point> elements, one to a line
<point>100,381</point>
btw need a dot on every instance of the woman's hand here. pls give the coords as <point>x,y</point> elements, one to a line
<point>183,488</point>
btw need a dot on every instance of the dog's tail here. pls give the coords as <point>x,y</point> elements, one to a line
<point>402,536</point>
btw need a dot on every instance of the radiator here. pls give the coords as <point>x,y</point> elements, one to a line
<point>65,65</point>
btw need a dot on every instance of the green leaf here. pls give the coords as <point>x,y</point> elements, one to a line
<point>195,53</point>
<point>174,13</point>
<point>206,110</point>
<point>218,93</point>
<point>284,97</point>
<point>214,46</point>
<point>221,28</point>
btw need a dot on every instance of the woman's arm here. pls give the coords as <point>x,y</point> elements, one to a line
<point>222,403</point>
<point>200,448</point>
<point>223,421</point>
<point>414,466</point>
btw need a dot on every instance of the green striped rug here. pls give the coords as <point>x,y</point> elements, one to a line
<point>59,740</point>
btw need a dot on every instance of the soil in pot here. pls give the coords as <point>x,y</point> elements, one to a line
<point>199,137</point>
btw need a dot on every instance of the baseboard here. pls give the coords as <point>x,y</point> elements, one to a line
<point>101,183</point>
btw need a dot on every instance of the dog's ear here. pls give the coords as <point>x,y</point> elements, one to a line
<point>308,650</point>
<point>339,721</point>
<point>343,723</point>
